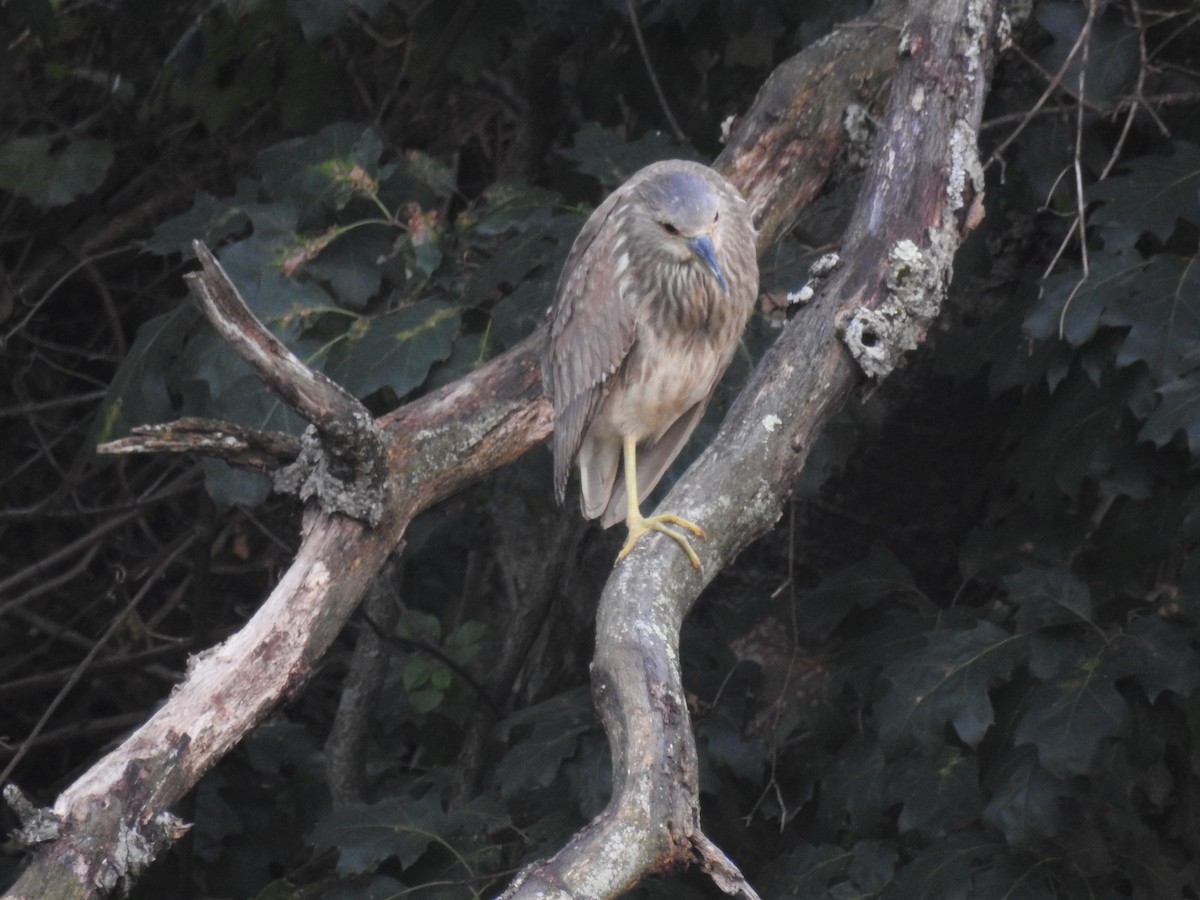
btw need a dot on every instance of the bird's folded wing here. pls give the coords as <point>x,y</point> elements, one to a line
<point>592,329</point>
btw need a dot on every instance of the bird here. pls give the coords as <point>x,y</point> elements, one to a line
<point>649,310</point>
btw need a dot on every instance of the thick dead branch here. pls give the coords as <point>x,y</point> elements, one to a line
<point>784,153</point>
<point>344,749</point>
<point>436,446</point>
<point>250,448</point>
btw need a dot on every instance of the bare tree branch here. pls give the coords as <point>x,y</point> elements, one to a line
<point>238,445</point>
<point>346,472</point>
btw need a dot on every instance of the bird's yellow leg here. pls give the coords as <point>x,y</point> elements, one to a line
<point>639,524</point>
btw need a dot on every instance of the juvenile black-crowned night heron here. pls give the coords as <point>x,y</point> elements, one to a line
<point>650,307</point>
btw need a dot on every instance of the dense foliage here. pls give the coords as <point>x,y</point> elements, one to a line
<point>964,666</point>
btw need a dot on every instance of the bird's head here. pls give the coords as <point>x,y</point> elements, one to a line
<point>683,212</point>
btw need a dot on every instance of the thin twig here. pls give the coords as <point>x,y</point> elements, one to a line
<point>1054,84</point>
<point>1137,92</point>
<point>49,292</point>
<point>70,551</point>
<point>26,409</point>
<point>662,98</point>
<point>1080,202</point>
<point>117,622</point>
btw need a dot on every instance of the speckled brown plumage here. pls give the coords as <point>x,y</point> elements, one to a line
<point>650,306</point>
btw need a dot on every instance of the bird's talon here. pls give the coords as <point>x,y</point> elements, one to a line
<point>659,523</point>
<point>682,523</point>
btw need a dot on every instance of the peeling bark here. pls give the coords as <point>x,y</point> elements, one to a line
<point>783,152</point>
<point>238,445</point>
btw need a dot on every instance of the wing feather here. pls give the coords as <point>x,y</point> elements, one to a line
<point>592,329</point>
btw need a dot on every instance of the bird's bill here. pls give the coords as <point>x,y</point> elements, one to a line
<point>702,248</point>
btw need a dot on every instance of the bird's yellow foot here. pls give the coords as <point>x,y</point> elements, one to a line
<point>640,525</point>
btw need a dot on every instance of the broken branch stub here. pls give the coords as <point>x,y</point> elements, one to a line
<point>342,460</point>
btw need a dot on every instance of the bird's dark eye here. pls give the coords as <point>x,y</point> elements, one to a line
<point>669,228</point>
<point>715,217</point>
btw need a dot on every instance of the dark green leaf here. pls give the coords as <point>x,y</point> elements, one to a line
<point>1054,653</point>
<point>943,869</point>
<point>420,626</point>
<point>464,643</point>
<point>440,678</point>
<point>1152,193</point>
<point>30,167</point>
<point>427,254</point>
<point>879,576</point>
<point>508,205</point>
<point>416,180</point>
<point>230,487</point>
<point>873,865</point>
<point>210,219</point>
<point>1014,878</point>
<point>1066,720</point>
<point>727,746</point>
<point>1162,313</point>
<point>589,774</point>
<point>939,792</point>
<point>1024,803</point>
<point>1156,300</point>
<point>247,401</point>
<point>1109,61</point>
<point>350,266</point>
<point>611,159</point>
<point>1178,411</point>
<point>138,394</point>
<point>1074,308</point>
<point>468,354</point>
<point>216,383</point>
<point>544,242</point>
<point>366,834</point>
<point>380,887</point>
<point>807,871</point>
<point>426,699</point>
<point>221,386</point>
<point>287,306</point>
<point>1077,433</point>
<point>1159,653</point>
<point>430,172</point>
<point>316,171</point>
<point>522,311</point>
<point>853,791</point>
<point>416,672</point>
<point>394,350</point>
<point>468,634</point>
<point>536,760</point>
<point>320,18</point>
<point>1048,595</point>
<point>946,682</point>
